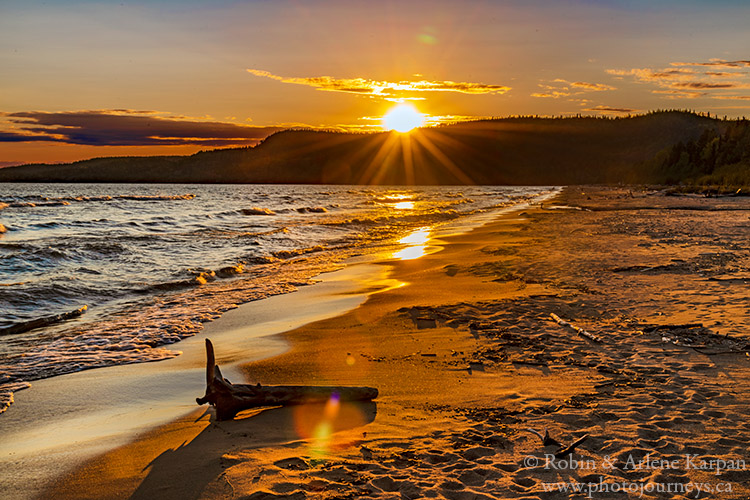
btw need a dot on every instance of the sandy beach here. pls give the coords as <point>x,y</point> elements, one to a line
<point>466,354</point>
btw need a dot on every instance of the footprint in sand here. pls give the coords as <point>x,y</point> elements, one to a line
<point>478,452</point>
<point>293,463</point>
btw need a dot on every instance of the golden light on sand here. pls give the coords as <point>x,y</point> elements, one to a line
<point>403,118</point>
<point>411,253</point>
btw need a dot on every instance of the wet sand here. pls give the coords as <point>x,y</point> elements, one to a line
<point>468,358</point>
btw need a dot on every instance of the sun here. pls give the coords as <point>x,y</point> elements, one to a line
<point>403,118</point>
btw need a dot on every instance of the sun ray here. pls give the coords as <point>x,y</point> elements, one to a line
<point>375,169</point>
<point>443,159</point>
<point>406,149</point>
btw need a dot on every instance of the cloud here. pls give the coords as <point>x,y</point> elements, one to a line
<point>564,88</point>
<point>716,63</point>
<point>646,74</point>
<point>680,94</point>
<point>733,97</point>
<point>126,128</point>
<point>555,94</point>
<point>705,85</point>
<point>610,110</point>
<point>597,87</point>
<point>690,80</point>
<point>383,89</point>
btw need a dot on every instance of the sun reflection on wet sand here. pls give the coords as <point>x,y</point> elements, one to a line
<point>417,244</point>
<point>411,253</point>
<point>419,237</point>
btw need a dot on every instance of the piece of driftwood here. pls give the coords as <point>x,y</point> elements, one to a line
<point>41,322</point>
<point>546,439</point>
<point>562,451</point>
<point>230,399</point>
<point>580,331</point>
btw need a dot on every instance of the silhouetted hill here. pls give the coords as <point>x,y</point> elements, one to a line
<point>501,151</point>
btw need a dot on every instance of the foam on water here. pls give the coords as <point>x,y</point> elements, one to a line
<point>155,262</point>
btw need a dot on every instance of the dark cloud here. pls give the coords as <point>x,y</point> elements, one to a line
<point>126,128</point>
<point>14,137</point>
<point>716,63</point>
<point>680,94</point>
<point>611,110</point>
<point>705,85</point>
<point>689,80</point>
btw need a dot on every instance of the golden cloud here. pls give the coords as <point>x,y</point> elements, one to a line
<point>555,94</point>
<point>564,88</point>
<point>597,87</point>
<point>383,89</point>
<point>733,97</point>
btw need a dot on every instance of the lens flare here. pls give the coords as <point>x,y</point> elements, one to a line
<point>318,423</point>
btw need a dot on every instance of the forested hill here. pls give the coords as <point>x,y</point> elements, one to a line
<point>501,151</point>
<point>719,159</point>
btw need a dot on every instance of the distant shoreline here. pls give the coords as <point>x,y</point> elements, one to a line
<point>513,151</point>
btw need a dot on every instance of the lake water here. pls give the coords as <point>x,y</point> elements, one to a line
<point>152,263</point>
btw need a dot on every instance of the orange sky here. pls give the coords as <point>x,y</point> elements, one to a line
<point>92,78</point>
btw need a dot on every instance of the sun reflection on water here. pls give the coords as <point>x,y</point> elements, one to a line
<point>404,205</point>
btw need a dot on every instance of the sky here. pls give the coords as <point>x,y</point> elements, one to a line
<point>86,79</point>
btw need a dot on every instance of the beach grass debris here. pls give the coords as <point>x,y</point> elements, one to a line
<point>557,319</point>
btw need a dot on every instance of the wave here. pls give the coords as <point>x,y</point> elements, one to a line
<point>47,201</point>
<point>257,211</point>
<point>230,271</point>
<point>188,196</point>
<point>435,216</point>
<point>288,254</point>
<point>315,210</point>
<point>6,393</point>
<point>200,277</point>
<point>26,326</point>
<point>25,253</point>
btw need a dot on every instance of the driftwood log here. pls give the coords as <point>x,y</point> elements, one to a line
<point>230,399</point>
